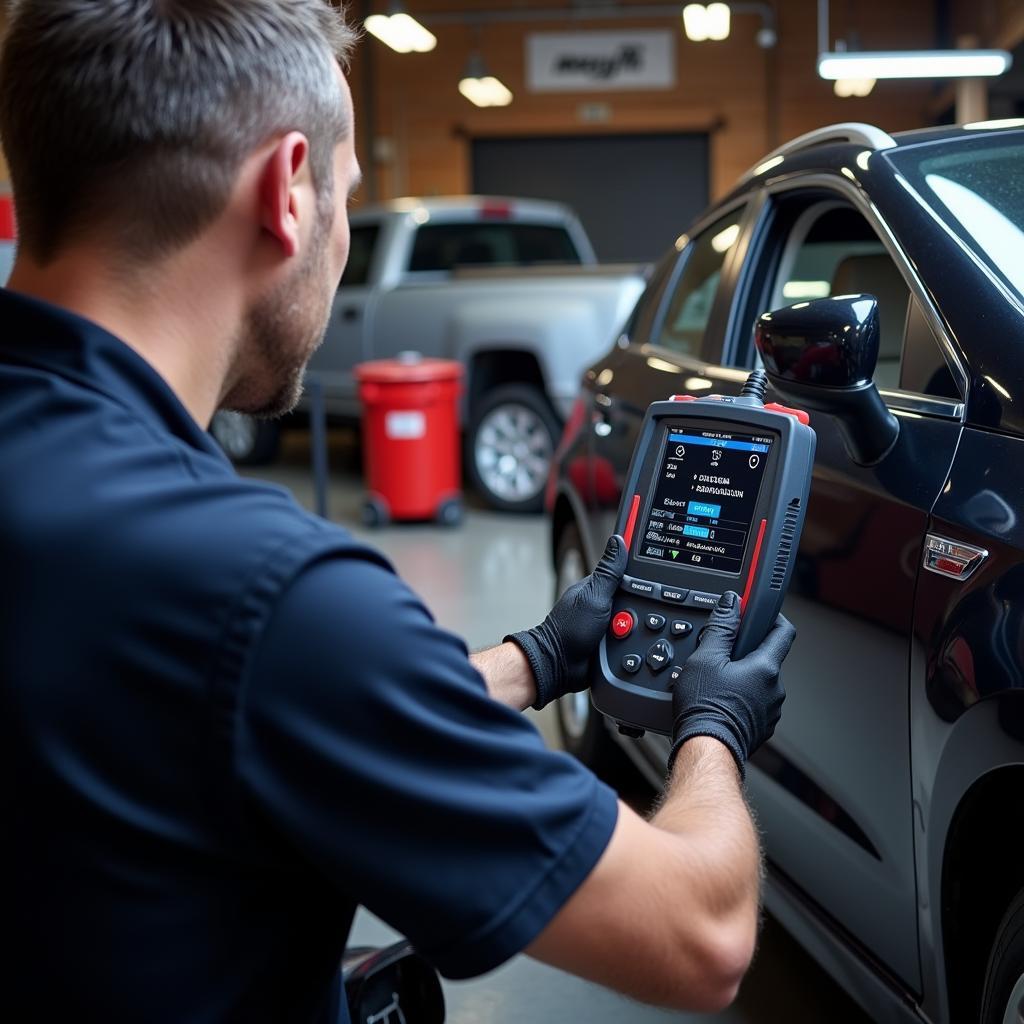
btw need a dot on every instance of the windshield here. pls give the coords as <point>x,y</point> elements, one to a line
<point>977,188</point>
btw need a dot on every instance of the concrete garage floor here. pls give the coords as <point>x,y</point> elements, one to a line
<point>483,580</point>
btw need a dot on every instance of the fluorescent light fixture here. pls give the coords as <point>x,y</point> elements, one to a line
<point>914,64</point>
<point>401,32</point>
<point>723,241</point>
<point>846,87</point>
<point>806,289</point>
<point>702,22</point>
<point>988,126</point>
<point>697,384</point>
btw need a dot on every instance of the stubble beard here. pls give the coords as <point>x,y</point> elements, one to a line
<point>281,332</point>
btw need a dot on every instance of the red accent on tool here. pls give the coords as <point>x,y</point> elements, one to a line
<point>682,398</point>
<point>787,411</point>
<point>753,564</point>
<point>622,624</point>
<point>634,511</point>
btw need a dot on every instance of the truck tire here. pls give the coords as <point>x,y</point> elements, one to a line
<point>1003,999</point>
<point>246,441</point>
<point>511,440</point>
<point>580,727</point>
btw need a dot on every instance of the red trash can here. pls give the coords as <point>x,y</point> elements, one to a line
<point>411,456</point>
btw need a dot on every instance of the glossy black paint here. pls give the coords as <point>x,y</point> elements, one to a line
<point>912,681</point>
<point>830,343</point>
<point>821,355</point>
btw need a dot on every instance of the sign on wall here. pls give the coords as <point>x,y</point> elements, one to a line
<point>605,61</point>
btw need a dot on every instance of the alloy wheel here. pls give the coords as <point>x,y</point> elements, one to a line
<point>513,450</point>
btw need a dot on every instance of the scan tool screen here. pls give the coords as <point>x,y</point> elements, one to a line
<point>704,500</point>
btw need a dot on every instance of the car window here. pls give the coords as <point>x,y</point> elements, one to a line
<point>641,320</point>
<point>490,243</point>
<point>924,369</point>
<point>362,245</point>
<point>833,250</point>
<point>693,297</point>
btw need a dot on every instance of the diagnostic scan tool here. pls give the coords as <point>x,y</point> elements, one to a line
<point>714,501</point>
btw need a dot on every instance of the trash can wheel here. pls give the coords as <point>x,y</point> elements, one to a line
<point>450,512</point>
<point>376,512</point>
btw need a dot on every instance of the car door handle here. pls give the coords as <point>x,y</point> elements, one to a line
<point>351,313</point>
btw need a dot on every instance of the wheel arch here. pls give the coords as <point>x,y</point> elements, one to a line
<point>568,509</point>
<point>510,363</point>
<point>977,807</point>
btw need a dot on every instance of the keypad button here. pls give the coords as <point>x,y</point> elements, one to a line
<point>631,663</point>
<point>644,587</point>
<point>680,627</point>
<point>622,624</point>
<point>675,673</point>
<point>696,599</point>
<point>659,655</point>
<point>673,595</point>
<point>654,621</point>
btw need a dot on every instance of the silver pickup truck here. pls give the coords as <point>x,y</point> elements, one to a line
<point>509,287</point>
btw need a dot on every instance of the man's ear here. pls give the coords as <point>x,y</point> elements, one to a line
<point>285,175</point>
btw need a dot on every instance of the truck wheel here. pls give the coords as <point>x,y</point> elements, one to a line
<point>511,441</point>
<point>246,440</point>
<point>1003,1001</point>
<point>580,727</point>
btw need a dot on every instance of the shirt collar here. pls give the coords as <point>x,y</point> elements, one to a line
<point>50,338</point>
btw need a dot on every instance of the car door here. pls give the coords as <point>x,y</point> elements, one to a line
<point>832,789</point>
<point>347,338</point>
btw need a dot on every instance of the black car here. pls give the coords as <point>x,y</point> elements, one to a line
<point>891,797</point>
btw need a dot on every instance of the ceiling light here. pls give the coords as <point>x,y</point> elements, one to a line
<point>914,64</point>
<point>702,22</point>
<point>846,87</point>
<point>482,88</point>
<point>401,32</point>
<point>695,22</point>
<point>718,21</point>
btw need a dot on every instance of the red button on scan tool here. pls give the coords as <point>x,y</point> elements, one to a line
<point>622,624</point>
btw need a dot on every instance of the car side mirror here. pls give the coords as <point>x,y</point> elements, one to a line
<point>391,986</point>
<point>821,355</point>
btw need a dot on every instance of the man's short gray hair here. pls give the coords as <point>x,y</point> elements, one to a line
<point>137,114</point>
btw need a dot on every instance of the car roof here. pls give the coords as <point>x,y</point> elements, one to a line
<point>836,146</point>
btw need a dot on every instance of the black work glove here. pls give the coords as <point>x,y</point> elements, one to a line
<point>560,648</point>
<point>736,702</point>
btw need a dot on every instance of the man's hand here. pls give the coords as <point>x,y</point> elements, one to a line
<point>738,703</point>
<point>560,648</point>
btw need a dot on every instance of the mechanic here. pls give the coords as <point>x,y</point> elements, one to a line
<point>227,723</point>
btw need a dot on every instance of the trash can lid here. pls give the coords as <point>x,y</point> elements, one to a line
<point>408,368</point>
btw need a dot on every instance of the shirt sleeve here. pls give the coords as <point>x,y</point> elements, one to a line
<point>369,740</point>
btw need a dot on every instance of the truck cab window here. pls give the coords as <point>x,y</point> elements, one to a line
<point>362,245</point>
<point>487,243</point>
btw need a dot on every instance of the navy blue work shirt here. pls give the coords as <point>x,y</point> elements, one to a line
<point>226,723</point>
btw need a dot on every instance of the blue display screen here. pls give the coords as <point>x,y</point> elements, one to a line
<point>705,497</point>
